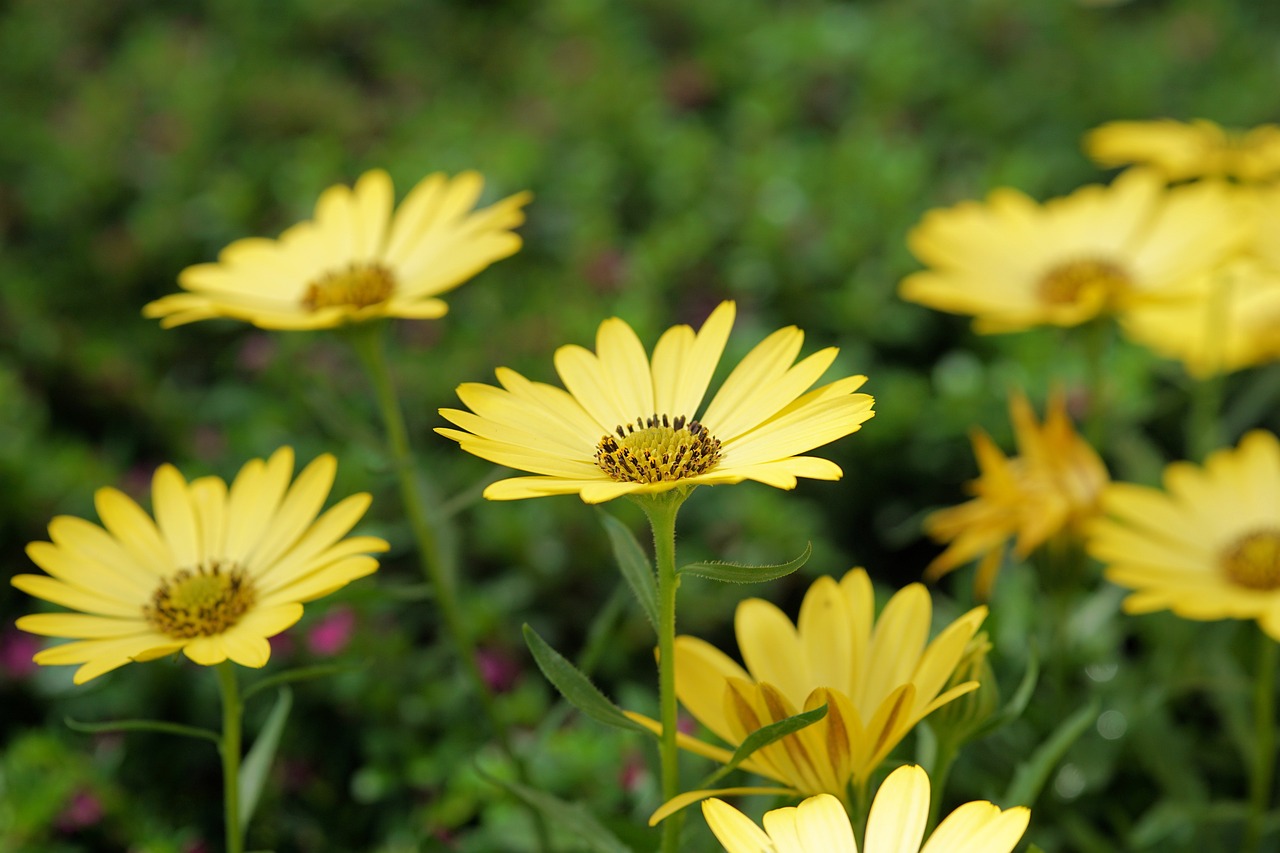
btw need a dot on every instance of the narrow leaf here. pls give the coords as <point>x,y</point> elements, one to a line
<point>576,687</point>
<point>764,736</point>
<point>569,816</point>
<point>257,764</point>
<point>742,573</point>
<point>143,726</point>
<point>1034,772</point>
<point>635,566</point>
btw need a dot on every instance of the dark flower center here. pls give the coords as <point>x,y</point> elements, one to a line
<point>358,286</point>
<point>1069,283</point>
<point>200,602</point>
<point>1253,560</point>
<point>657,449</point>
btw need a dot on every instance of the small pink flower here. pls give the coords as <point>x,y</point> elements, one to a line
<point>17,649</point>
<point>82,811</point>
<point>332,633</point>
<point>282,645</point>
<point>500,672</point>
<point>634,772</point>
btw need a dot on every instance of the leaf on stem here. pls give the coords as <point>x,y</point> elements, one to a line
<point>576,687</point>
<point>764,736</point>
<point>636,568</point>
<point>1034,772</point>
<point>742,573</point>
<point>257,764</point>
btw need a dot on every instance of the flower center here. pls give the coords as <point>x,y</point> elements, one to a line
<point>1075,281</point>
<point>358,286</point>
<point>200,602</point>
<point>1253,561</point>
<point>658,449</point>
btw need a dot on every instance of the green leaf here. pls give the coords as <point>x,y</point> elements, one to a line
<point>257,764</point>
<point>143,726</point>
<point>1034,772</point>
<point>572,817</point>
<point>1017,703</point>
<point>764,736</point>
<point>636,568</point>
<point>742,573</point>
<point>576,687</point>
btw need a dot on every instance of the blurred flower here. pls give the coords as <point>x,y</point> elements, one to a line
<point>84,810</point>
<point>355,260</point>
<point>878,678</point>
<point>1227,318</point>
<point>896,824</point>
<point>631,426</point>
<point>1182,150</point>
<point>332,633</point>
<point>214,575</point>
<point>1207,546</point>
<point>1052,486</point>
<point>500,670</point>
<point>16,651</point>
<point>1014,264</point>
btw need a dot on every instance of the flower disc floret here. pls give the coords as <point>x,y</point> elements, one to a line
<point>1253,561</point>
<point>658,449</point>
<point>200,602</point>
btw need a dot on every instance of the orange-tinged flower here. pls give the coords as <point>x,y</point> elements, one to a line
<point>355,260</point>
<point>213,575</point>
<point>1188,150</point>
<point>877,677</point>
<point>1013,264</point>
<point>1052,486</point>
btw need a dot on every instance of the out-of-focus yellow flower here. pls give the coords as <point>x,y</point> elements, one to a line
<point>1188,150</point>
<point>1012,263</point>
<point>1228,318</point>
<point>877,677</point>
<point>631,425</point>
<point>215,574</point>
<point>896,824</point>
<point>1051,486</point>
<point>1206,547</point>
<point>355,260</point>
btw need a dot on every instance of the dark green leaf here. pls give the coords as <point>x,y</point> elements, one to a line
<point>576,687</point>
<point>764,736</point>
<point>741,573</point>
<point>257,764</point>
<point>635,566</point>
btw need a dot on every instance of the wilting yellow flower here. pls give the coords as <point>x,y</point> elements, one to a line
<point>1208,546</point>
<point>1052,486</point>
<point>1014,264</point>
<point>877,677</point>
<point>629,426</point>
<point>1181,150</point>
<point>896,824</point>
<point>355,260</point>
<point>214,575</point>
<point>1227,318</point>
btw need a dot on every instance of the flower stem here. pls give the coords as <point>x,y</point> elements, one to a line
<point>1264,747</point>
<point>368,341</point>
<point>229,746</point>
<point>948,749</point>
<point>661,510</point>
<point>1097,344</point>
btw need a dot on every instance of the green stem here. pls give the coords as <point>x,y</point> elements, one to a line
<point>1097,343</point>
<point>1264,748</point>
<point>661,510</point>
<point>947,752</point>
<point>368,341</point>
<point>1204,429</point>
<point>861,808</point>
<point>230,749</point>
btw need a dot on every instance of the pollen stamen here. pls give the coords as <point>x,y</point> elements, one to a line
<point>657,449</point>
<point>200,602</point>
<point>359,285</point>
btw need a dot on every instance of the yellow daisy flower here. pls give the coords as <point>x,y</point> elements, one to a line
<point>896,824</point>
<point>1012,263</point>
<point>1206,547</point>
<point>877,677</point>
<point>355,260</point>
<point>628,425</point>
<point>1227,318</point>
<point>1182,150</point>
<point>215,574</point>
<point>1053,485</point>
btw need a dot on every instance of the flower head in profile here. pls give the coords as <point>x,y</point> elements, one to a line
<point>213,575</point>
<point>1052,486</point>
<point>1013,264</point>
<point>896,824</point>
<point>1188,150</point>
<point>1207,546</point>
<point>877,677</point>
<point>355,260</point>
<point>629,424</point>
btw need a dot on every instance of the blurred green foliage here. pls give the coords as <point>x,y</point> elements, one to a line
<point>679,153</point>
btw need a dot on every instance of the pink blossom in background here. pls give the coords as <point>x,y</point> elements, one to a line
<point>282,645</point>
<point>500,672</point>
<point>634,772</point>
<point>82,811</point>
<point>332,633</point>
<point>17,649</point>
